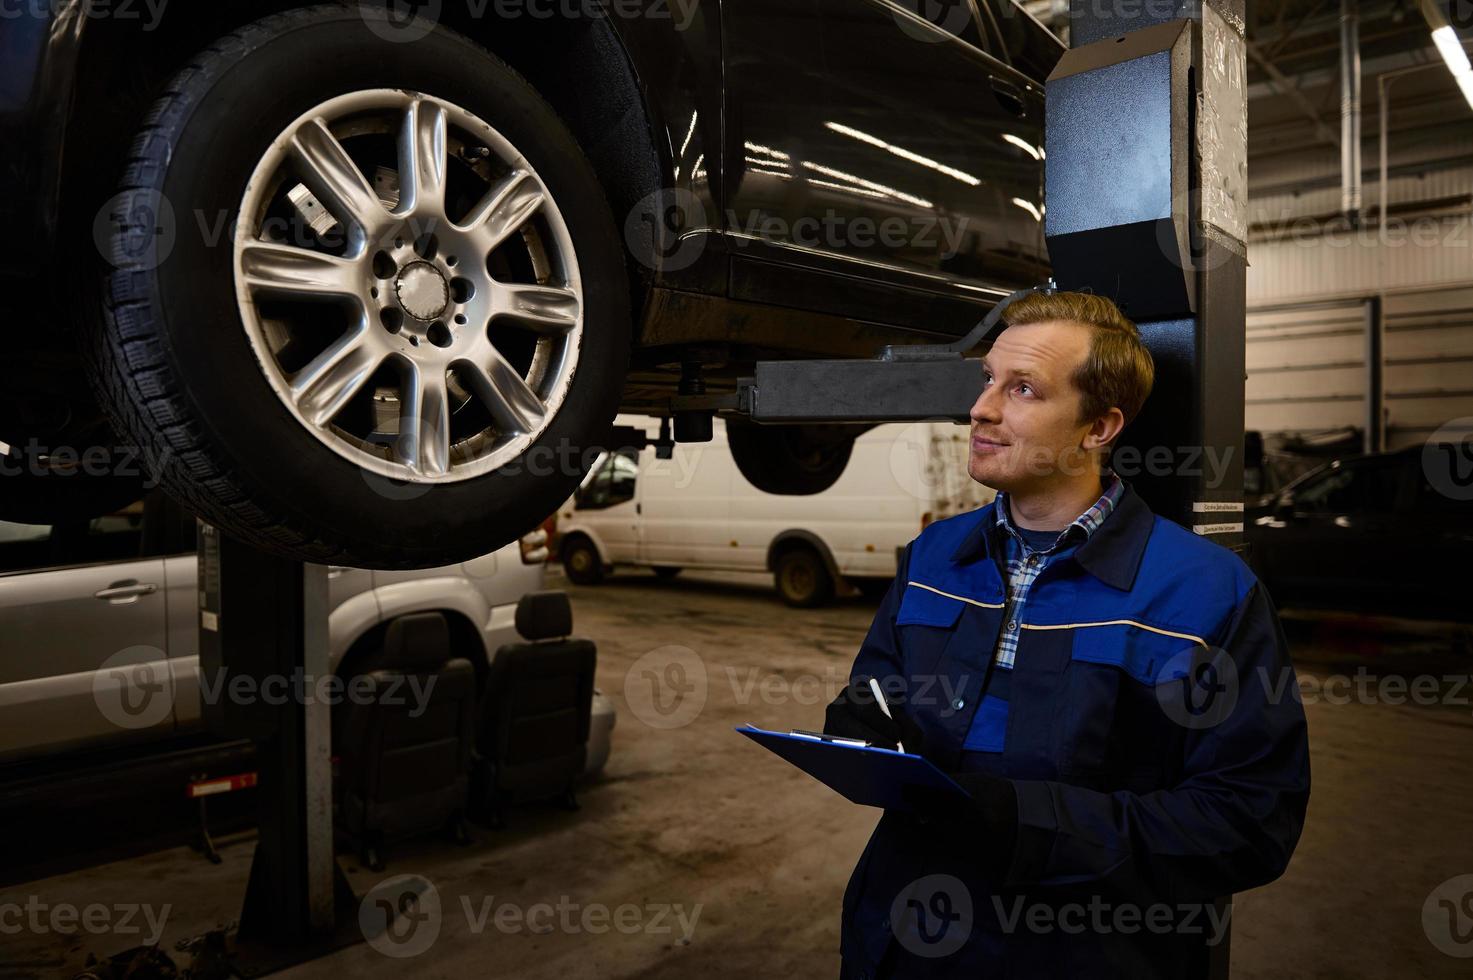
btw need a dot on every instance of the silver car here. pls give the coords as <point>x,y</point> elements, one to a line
<point>99,618</point>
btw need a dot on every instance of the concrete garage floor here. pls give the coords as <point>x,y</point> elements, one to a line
<point>697,854</point>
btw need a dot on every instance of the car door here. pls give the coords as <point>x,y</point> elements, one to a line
<point>1439,524</point>
<point>880,166</point>
<point>1334,536</point>
<point>83,655</point>
<point>607,504</point>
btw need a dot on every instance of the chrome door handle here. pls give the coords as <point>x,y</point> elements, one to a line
<point>122,592</point>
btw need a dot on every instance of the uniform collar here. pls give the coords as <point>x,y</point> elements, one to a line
<point>1112,552</point>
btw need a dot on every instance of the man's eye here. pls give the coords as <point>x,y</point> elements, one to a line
<point>1025,389</point>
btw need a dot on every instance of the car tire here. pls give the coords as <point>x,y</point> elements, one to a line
<point>666,571</point>
<point>802,579</point>
<point>581,561</point>
<point>793,460</point>
<point>186,366</point>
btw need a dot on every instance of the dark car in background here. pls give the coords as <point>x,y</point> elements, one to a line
<point>1389,533</point>
<point>366,289</point>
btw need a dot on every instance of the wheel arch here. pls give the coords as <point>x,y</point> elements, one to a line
<point>591,536</point>
<point>802,538</point>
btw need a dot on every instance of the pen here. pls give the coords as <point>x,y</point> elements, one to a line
<point>874,686</point>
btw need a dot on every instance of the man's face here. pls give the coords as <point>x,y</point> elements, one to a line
<point>1025,424</point>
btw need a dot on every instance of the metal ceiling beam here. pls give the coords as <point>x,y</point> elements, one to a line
<point>1324,76</point>
<point>1285,86</point>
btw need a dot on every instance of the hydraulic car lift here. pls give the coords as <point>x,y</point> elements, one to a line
<point>1146,190</point>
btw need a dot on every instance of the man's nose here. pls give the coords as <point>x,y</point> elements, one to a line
<point>985,408</point>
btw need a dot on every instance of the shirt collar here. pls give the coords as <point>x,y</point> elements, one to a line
<point>1082,526</point>
<point>1113,547</point>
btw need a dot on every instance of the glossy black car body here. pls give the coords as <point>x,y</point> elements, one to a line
<point>1390,533</point>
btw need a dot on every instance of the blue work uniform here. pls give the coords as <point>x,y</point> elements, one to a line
<point>1137,703</point>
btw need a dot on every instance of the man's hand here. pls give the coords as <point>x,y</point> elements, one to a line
<point>989,820</point>
<point>856,714</point>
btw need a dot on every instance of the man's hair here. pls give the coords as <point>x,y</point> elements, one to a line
<point>1118,371</point>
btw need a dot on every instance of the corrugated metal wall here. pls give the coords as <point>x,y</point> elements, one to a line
<point>1306,367</point>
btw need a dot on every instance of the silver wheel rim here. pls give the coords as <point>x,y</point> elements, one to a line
<point>451,269</point>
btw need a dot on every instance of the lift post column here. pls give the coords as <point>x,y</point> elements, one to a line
<point>1147,161</point>
<point>264,650</point>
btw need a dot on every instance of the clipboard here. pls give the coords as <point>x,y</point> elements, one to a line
<point>862,774</point>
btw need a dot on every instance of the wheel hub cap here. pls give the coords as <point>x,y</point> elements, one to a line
<point>423,291</point>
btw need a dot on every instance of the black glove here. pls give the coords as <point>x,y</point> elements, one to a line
<point>988,822</point>
<point>856,714</point>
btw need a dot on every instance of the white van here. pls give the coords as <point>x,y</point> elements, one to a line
<point>696,510</point>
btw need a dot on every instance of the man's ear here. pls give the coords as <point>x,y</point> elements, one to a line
<point>1104,429</point>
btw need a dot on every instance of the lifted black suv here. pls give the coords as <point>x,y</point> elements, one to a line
<point>369,290</point>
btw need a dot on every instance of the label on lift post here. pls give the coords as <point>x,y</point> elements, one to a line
<point>209,577</point>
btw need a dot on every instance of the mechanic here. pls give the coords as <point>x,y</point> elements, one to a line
<point>1113,691</point>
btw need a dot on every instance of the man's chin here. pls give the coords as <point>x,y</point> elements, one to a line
<point>989,471</point>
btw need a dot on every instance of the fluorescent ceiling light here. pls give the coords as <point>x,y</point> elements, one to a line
<point>1450,46</point>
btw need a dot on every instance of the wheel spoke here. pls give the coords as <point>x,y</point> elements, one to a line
<point>291,272</point>
<point>424,425</point>
<point>505,208</point>
<point>510,400</point>
<point>547,309</point>
<point>325,385</point>
<point>334,178</point>
<point>422,159</point>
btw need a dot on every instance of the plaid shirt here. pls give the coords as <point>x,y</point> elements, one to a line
<point>1020,565</point>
